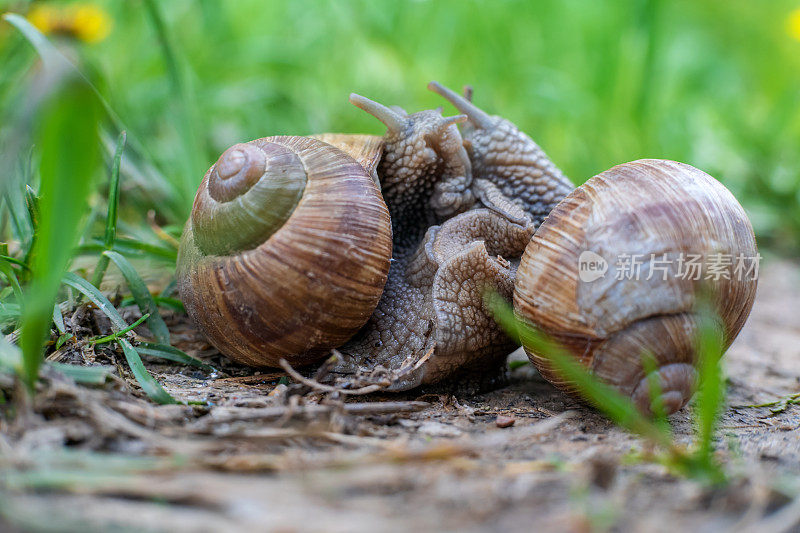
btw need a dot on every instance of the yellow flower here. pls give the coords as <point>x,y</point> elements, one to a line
<point>793,24</point>
<point>44,18</point>
<point>91,23</point>
<point>86,22</point>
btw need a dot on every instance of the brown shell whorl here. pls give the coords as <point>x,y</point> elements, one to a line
<point>247,196</point>
<point>237,169</point>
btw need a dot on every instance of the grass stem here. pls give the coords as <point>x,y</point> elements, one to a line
<point>118,334</point>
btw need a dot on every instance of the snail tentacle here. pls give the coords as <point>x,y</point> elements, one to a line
<point>390,118</point>
<point>478,117</point>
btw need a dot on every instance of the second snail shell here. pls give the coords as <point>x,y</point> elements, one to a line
<point>659,213</point>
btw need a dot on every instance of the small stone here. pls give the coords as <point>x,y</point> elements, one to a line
<point>602,470</point>
<point>279,390</point>
<point>503,421</point>
<point>437,429</point>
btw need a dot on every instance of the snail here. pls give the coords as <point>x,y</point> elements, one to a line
<point>609,275</point>
<point>462,212</point>
<point>321,268</point>
<point>287,249</point>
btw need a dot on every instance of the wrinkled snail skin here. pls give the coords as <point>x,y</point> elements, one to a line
<point>454,238</point>
<point>287,250</point>
<point>425,172</point>
<point>506,159</point>
<point>640,208</point>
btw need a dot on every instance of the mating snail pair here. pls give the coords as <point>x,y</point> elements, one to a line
<point>384,248</point>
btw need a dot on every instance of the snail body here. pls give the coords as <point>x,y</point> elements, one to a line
<point>287,249</point>
<point>506,163</point>
<point>660,213</point>
<point>456,234</point>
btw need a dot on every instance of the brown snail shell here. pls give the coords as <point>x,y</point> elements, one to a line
<point>644,207</point>
<point>287,249</point>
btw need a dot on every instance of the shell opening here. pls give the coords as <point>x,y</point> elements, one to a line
<point>676,382</point>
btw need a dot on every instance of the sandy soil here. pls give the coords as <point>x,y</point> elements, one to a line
<point>256,461</point>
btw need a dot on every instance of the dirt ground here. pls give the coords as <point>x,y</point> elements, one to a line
<point>264,457</point>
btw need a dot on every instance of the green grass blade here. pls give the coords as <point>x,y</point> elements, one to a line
<point>8,271</point>
<point>131,247</point>
<point>87,375</point>
<point>183,99</point>
<point>618,408</point>
<point>161,301</point>
<point>124,246</point>
<point>111,217</point>
<point>51,57</point>
<point>149,385</point>
<point>172,354</point>
<point>654,385</point>
<point>173,303</point>
<point>68,142</point>
<point>113,193</point>
<point>711,392</point>
<point>100,270</point>
<point>54,60</point>
<point>58,320</point>
<point>96,297</point>
<point>119,334</point>
<point>62,339</point>
<point>22,227</point>
<point>513,365</point>
<point>152,250</point>
<point>32,208</point>
<point>14,261</point>
<point>32,204</point>
<point>173,72</point>
<point>142,296</point>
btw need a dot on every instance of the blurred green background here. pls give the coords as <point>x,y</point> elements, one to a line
<point>712,83</point>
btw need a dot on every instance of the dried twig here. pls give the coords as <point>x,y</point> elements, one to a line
<point>316,385</point>
<point>786,519</point>
<point>229,414</point>
<point>386,377</point>
<point>249,380</point>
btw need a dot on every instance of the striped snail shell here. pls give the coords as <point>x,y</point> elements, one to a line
<point>607,275</point>
<point>287,249</point>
